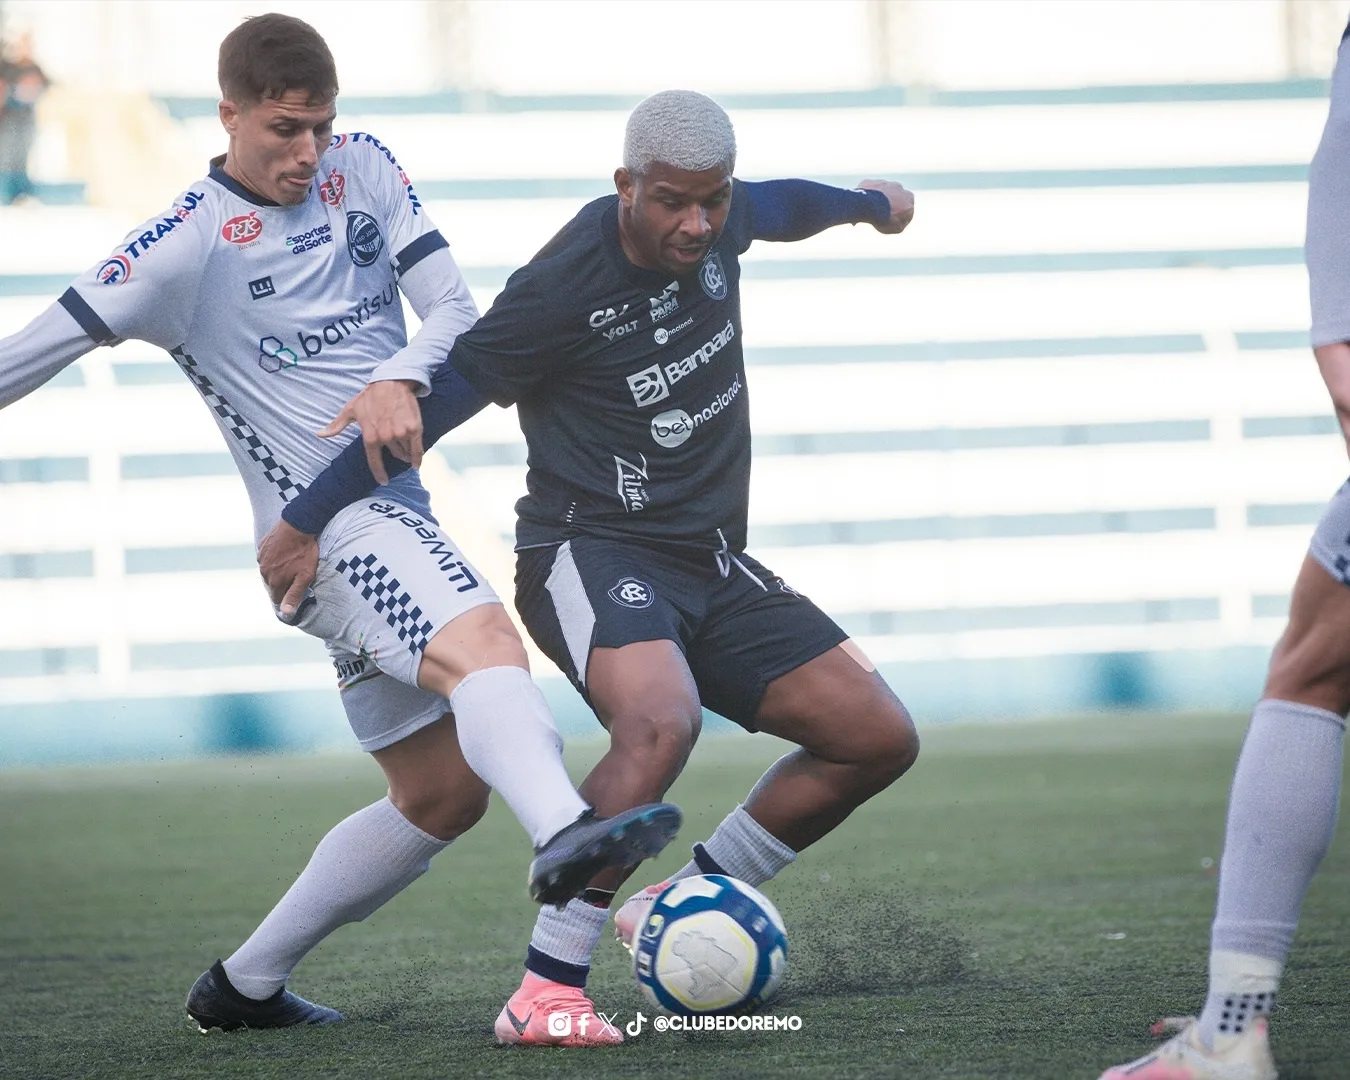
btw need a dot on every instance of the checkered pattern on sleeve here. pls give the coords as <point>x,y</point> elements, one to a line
<point>273,470</point>
<point>389,598</point>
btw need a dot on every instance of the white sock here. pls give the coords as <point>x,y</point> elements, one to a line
<point>1281,816</point>
<point>742,848</point>
<point>364,861</point>
<point>508,737</point>
<point>563,941</point>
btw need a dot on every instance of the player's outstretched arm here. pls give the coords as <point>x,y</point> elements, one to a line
<point>786,210</point>
<point>40,351</point>
<point>289,554</point>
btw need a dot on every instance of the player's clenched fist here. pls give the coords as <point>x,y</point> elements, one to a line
<point>901,200</point>
<point>389,418</point>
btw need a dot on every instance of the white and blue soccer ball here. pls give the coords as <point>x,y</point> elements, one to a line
<point>710,944</point>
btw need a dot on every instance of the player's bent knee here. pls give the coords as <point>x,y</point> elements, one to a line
<point>442,812</point>
<point>662,736</point>
<point>891,746</point>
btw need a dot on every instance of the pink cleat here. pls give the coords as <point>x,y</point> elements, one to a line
<point>547,1013</point>
<point>1183,1057</point>
<point>629,917</point>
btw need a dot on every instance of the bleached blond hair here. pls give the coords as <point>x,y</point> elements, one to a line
<point>681,128</point>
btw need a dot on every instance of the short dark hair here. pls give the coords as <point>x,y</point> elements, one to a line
<point>267,55</point>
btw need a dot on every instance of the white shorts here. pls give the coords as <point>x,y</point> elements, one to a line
<point>388,580</point>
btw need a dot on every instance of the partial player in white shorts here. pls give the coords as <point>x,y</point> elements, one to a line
<point>388,580</point>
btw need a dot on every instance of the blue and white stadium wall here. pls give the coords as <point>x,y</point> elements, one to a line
<point>1059,447</point>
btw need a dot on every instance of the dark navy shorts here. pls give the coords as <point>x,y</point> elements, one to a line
<point>738,624</point>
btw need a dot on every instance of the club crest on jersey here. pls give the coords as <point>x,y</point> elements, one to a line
<point>363,238</point>
<point>242,230</point>
<point>629,592</point>
<point>115,271</point>
<point>712,277</point>
<point>333,189</point>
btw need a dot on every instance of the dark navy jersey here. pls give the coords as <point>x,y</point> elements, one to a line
<point>630,384</point>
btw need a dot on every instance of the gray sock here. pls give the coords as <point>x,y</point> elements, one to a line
<point>364,861</point>
<point>1281,816</point>
<point>743,849</point>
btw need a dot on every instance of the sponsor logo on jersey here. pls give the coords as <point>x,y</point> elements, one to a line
<point>364,240</point>
<point>665,304</point>
<point>333,189</point>
<point>712,277</point>
<point>160,229</point>
<point>313,341</point>
<point>360,136</point>
<point>648,386</point>
<point>115,271</point>
<point>629,592</point>
<point>308,241</point>
<point>632,483</point>
<point>274,356</point>
<point>448,561</point>
<point>243,230</point>
<point>620,330</point>
<point>678,369</point>
<point>605,316</point>
<point>261,288</point>
<point>673,427</point>
<point>664,334</point>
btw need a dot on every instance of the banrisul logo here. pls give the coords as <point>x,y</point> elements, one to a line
<point>363,238</point>
<point>313,340</point>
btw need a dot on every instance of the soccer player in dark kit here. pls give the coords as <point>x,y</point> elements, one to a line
<point>620,344</point>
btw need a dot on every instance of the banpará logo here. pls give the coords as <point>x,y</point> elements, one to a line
<point>702,355</point>
<point>332,190</point>
<point>115,271</point>
<point>363,238</point>
<point>648,386</point>
<point>242,230</point>
<point>629,592</point>
<point>673,427</point>
<point>712,277</point>
<point>337,330</point>
<point>308,241</point>
<point>274,356</point>
<point>631,483</point>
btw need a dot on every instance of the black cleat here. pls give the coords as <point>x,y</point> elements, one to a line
<point>214,1003</point>
<point>562,867</point>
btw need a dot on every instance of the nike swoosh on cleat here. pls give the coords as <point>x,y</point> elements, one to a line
<point>519,1025</point>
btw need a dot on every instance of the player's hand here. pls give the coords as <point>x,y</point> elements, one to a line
<point>901,200</point>
<point>389,417</point>
<point>288,560</point>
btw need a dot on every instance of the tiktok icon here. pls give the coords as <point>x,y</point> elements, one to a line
<point>634,1026</point>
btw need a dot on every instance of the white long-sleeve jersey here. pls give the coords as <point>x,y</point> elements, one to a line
<point>278,315</point>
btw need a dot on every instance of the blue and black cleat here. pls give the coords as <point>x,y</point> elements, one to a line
<point>214,1003</point>
<point>565,864</point>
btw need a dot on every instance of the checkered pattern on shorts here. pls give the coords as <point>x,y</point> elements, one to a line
<point>258,450</point>
<point>376,584</point>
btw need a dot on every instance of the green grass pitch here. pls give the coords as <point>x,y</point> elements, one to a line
<point>1024,904</point>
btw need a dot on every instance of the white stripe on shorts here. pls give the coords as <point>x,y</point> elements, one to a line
<point>573,608</point>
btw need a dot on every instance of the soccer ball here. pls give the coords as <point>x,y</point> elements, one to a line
<point>710,944</point>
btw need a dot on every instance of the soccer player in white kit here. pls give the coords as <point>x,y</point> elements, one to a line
<point>1283,805</point>
<point>274,284</point>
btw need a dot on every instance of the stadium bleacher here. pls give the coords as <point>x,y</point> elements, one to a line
<point>1059,446</point>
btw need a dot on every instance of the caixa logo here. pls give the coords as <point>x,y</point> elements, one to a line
<point>629,592</point>
<point>242,230</point>
<point>363,238</point>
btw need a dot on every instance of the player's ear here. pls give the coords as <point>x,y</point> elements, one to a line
<point>228,112</point>
<point>626,185</point>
